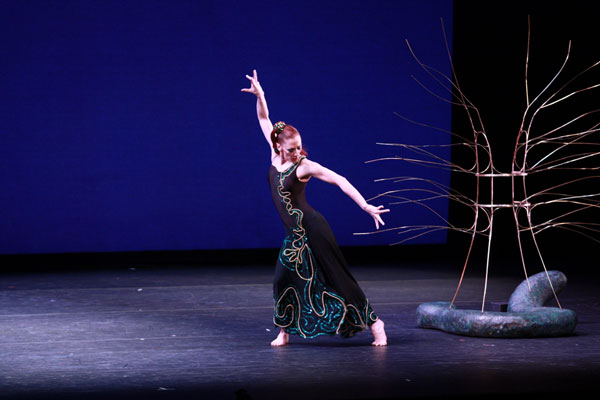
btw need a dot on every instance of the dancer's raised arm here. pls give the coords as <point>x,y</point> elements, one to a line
<point>310,168</point>
<point>262,112</point>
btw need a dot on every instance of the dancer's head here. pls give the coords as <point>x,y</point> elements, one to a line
<point>287,142</point>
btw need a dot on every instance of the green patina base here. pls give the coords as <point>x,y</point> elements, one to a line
<point>526,316</point>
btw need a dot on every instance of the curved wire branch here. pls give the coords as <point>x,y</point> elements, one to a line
<point>533,153</point>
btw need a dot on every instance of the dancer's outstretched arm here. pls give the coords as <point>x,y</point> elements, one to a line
<point>310,168</point>
<point>262,111</point>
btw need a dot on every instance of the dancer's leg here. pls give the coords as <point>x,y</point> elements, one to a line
<point>282,339</point>
<point>378,330</point>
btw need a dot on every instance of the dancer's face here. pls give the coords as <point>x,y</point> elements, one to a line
<point>290,148</point>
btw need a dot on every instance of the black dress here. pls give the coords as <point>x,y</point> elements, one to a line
<point>314,292</point>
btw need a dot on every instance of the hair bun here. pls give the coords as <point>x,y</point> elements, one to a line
<point>278,127</point>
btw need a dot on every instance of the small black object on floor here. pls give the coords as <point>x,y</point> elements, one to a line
<point>204,333</point>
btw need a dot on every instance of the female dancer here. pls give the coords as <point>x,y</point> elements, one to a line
<point>314,292</point>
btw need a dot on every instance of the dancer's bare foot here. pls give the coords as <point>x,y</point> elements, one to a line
<point>377,328</point>
<point>282,339</point>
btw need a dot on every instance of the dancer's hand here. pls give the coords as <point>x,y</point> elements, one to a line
<point>375,213</point>
<point>262,111</point>
<point>254,88</point>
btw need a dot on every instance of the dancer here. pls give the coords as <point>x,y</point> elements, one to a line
<point>314,292</point>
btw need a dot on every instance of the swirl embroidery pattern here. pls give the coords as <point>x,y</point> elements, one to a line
<point>308,308</point>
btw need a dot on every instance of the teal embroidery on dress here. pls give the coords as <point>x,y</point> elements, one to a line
<point>312,310</point>
<point>357,320</point>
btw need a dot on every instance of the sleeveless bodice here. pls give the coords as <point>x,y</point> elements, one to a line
<point>289,196</point>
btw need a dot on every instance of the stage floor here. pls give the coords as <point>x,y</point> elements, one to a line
<point>204,333</point>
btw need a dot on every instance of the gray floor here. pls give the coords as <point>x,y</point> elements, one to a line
<point>204,332</point>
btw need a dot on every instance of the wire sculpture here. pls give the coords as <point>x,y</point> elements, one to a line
<point>572,145</point>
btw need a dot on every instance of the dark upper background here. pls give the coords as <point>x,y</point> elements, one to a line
<point>124,128</point>
<point>165,153</point>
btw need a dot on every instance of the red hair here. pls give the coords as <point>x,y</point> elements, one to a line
<point>286,133</point>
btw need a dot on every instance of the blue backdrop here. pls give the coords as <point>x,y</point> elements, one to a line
<point>123,126</point>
